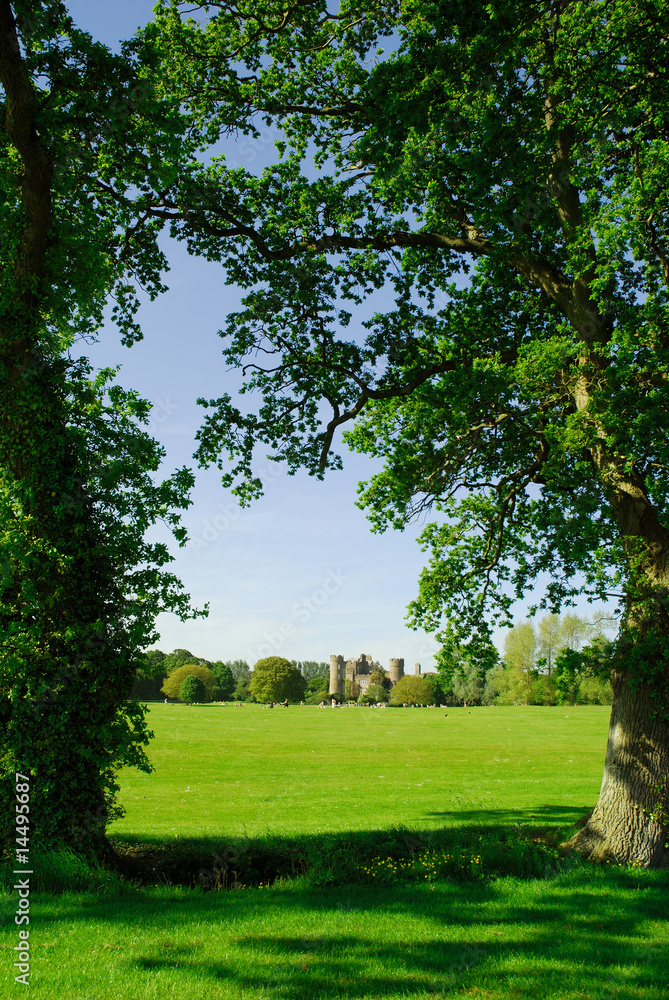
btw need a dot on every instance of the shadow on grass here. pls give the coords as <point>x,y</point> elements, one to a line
<point>490,843</point>
<point>582,936</point>
<point>558,815</point>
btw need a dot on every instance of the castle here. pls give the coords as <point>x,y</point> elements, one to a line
<point>359,671</point>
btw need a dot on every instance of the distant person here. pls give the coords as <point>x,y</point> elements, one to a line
<point>334,703</point>
<point>285,704</point>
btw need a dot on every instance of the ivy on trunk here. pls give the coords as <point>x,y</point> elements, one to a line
<point>79,584</point>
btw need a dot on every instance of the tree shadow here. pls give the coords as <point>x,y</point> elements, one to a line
<point>299,943</point>
<point>556,815</point>
<point>509,842</point>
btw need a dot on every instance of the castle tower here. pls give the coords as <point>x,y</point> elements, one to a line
<point>416,669</point>
<point>336,674</point>
<point>396,669</point>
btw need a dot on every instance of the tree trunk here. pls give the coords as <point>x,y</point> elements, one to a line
<point>630,820</point>
<point>64,670</point>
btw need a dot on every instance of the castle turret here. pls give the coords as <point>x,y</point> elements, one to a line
<point>416,669</point>
<point>336,674</point>
<point>396,669</point>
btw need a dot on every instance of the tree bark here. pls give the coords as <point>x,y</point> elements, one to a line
<point>629,821</point>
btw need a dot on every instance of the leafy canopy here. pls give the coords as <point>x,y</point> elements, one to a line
<point>373,694</point>
<point>411,690</point>
<point>277,679</point>
<point>192,690</point>
<point>173,683</point>
<point>501,173</point>
<point>80,585</point>
<point>225,680</point>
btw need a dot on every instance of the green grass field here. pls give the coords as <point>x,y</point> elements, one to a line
<point>226,770</point>
<point>352,778</point>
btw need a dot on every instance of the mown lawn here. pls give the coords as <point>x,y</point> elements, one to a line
<point>576,936</point>
<point>228,770</point>
<point>229,776</point>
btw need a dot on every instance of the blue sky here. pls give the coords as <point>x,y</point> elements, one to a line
<point>299,573</point>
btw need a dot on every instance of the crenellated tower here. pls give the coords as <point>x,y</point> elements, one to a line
<point>396,669</point>
<point>359,670</point>
<point>337,674</point>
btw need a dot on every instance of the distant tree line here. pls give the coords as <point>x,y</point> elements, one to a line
<point>162,675</point>
<point>229,680</point>
<point>560,660</point>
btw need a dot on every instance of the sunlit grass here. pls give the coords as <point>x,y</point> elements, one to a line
<point>226,770</point>
<point>388,831</point>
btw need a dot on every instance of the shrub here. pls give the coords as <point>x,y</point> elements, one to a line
<point>595,691</point>
<point>544,690</point>
<point>351,690</point>
<point>277,679</point>
<point>225,681</point>
<point>192,690</point>
<point>516,686</point>
<point>316,697</point>
<point>373,694</point>
<point>172,685</point>
<point>411,689</point>
<point>319,683</point>
<point>379,678</point>
<point>491,689</point>
<point>147,688</point>
<point>437,694</point>
<point>242,691</point>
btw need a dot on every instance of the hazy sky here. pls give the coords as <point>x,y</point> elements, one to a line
<point>299,573</point>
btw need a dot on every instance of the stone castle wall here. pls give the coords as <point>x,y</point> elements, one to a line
<point>358,671</point>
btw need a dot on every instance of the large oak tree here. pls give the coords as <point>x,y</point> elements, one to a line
<point>80,585</point>
<point>500,172</point>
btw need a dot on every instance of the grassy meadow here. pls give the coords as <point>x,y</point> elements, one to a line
<point>227,770</point>
<point>426,866</point>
